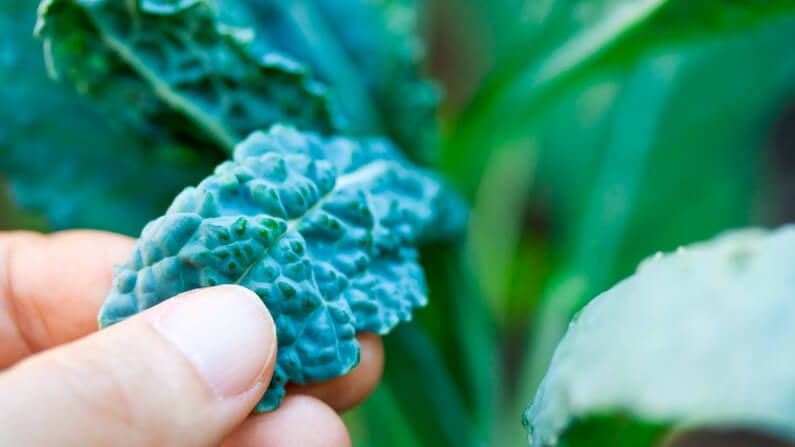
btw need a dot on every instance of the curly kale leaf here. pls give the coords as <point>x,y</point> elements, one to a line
<point>173,71</point>
<point>368,52</point>
<point>323,230</point>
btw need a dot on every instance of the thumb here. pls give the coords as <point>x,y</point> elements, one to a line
<point>185,372</point>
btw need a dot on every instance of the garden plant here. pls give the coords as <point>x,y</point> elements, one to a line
<point>567,215</point>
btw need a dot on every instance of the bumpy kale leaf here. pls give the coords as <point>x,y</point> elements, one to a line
<point>174,72</point>
<point>219,70</point>
<point>56,147</point>
<point>172,86</point>
<point>368,52</point>
<point>323,230</point>
<point>698,338</point>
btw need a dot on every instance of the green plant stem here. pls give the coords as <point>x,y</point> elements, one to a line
<point>479,345</point>
<point>436,399</point>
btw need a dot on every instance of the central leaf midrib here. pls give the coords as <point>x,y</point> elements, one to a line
<point>217,132</point>
<point>359,175</point>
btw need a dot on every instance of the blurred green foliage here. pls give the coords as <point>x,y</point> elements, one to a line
<point>604,132</point>
<point>586,134</point>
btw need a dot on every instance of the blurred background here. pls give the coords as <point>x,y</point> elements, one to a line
<point>586,136</point>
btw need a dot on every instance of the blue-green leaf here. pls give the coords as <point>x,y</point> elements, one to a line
<point>697,338</point>
<point>67,160</point>
<point>324,231</point>
<point>173,71</point>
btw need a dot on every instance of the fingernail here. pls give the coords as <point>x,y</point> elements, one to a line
<point>225,332</point>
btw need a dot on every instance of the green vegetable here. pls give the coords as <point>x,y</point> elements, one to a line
<point>169,97</point>
<point>700,337</point>
<point>172,71</point>
<point>324,231</point>
<point>215,72</point>
<point>56,147</point>
<point>592,132</point>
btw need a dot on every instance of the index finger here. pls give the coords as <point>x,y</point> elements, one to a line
<point>52,286</point>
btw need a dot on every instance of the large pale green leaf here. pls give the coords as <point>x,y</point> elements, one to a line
<point>66,159</point>
<point>672,147</point>
<point>697,338</point>
<point>652,141</point>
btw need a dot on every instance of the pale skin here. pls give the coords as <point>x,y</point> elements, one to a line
<point>145,381</point>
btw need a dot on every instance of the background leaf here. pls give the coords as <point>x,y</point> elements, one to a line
<point>68,160</point>
<point>175,73</point>
<point>730,300</point>
<point>653,141</point>
<point>661,191</point>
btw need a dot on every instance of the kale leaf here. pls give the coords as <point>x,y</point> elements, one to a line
<point>174,72</point>
<point>323,230</point>
<point>56,147</point>
<point>211,72</point>
<point>168,88</point>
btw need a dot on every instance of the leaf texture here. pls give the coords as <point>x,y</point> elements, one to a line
<point>696,338</point>
<point>324,231</point>
<point>172,70</point>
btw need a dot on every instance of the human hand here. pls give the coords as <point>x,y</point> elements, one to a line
<point>184,373</point>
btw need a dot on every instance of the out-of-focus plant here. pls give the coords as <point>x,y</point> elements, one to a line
<point>586,135</point>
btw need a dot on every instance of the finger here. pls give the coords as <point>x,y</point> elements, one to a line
<point>348,391</point>
<point>299,421</point>
<point>183,373</point>
<point>51,287</point>
<point>55,286</point>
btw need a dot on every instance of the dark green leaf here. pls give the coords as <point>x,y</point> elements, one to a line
<point>435,406</point>
<point>175,73</point>
<point>67,160</point>
<point>378,411</point>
